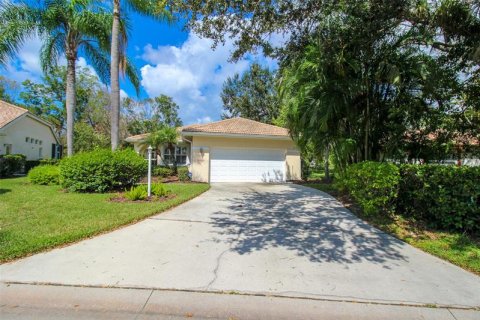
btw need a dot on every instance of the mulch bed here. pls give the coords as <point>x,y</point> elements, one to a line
<point>120,198</point>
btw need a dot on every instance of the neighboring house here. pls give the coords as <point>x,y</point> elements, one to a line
<point>21,132</point>
<point>233,150</point>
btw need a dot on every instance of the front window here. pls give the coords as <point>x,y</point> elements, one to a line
<point>180,154</point>
<point>8,148</point>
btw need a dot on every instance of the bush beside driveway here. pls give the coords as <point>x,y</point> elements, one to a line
<point>34,217</point>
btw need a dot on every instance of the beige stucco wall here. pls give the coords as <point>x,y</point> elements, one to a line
<point>15,134</point>
<point>201,147</point>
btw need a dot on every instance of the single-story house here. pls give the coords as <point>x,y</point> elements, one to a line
<point>232,150</point>
<point>21,132</point>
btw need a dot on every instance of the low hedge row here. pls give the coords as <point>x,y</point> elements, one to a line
<point>444,197</point>
<point>11,164</point>
<point>45,175</point>
<point>165,172</point>
<point>447,197</point>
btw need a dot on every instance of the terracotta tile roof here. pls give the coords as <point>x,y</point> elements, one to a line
<point>143,136</point>
<point>9,112</point>
<point>239,126</point>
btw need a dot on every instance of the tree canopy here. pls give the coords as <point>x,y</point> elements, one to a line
<point>252,95</point>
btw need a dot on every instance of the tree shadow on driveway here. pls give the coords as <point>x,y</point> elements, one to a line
<point>309,222</point>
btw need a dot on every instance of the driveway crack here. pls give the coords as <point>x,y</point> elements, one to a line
<point>217,267</point>
<point>220,256</point>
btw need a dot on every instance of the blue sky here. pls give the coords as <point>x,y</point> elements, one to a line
<point>171,61</point>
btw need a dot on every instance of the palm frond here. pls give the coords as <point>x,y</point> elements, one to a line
<point>18,22</point>
<point>51,50</point>
<point>99,59</point>
<point>152,8</point>
<point>132,73</point>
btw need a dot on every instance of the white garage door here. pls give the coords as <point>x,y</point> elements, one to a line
<point>247,165</point>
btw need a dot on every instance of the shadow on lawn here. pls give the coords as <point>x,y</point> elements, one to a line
<point>309,222</point>
<point>2,191</point>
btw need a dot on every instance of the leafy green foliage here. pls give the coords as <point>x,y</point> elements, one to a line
<point>47,99</point>
<point>163,172</point>
<point>252,95</point>
<point>87,139</point>
<point>445,197</point>
<point>165,136</point>
<point>140,192</point>
<point>102,170</point>
<point>11,163</point>
<point>151,115</point>
<point>45,175</point>
<point>373,185</point>
<point>137,193</point>
<point>183,174</point>
<point>159,190</point>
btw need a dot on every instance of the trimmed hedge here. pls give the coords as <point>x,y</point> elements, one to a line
<point>373,185</point>
<point>183,174</point>
<point>11,163</point>
<point>102,170</point>
<point>45,175</point>
<point>445,197</point>
<point>163,172</point>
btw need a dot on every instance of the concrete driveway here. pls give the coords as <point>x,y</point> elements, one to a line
<point>284,240</point>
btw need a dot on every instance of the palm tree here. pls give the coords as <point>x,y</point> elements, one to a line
<point>151,8</point>
<point>66,27</point>
<point>165,136</point>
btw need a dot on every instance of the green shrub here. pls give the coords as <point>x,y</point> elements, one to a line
<point>373,185</point>
<point>44,175</point>
<point>137,193</point>
<point>163,172</point>
<point>159,190</point>
<point>445,197</point>
<point>102,170</point>
<point>11,163</point>
<point>183,174</point>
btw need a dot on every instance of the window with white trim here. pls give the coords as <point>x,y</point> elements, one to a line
<point>180,155</point>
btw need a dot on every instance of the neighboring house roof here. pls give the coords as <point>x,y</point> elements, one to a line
<point>458,138</point>
<point>234,126</point>
<point>10,113</point>
<point>238,126</point>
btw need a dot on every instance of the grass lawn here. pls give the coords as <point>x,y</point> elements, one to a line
<point>34,218</point>
<point>457,248</point>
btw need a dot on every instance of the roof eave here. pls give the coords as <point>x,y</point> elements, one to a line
<point>234,135</point>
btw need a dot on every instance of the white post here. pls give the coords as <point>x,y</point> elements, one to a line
<point>149,186</point>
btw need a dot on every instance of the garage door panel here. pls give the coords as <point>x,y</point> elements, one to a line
<point>247,165</point>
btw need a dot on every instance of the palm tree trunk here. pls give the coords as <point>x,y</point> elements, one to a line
<point>70,103</point>
<point>114,75</point>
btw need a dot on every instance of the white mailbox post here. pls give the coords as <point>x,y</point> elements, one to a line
<point>149,183</point>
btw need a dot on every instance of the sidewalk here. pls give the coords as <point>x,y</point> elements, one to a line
<point>25,301</point>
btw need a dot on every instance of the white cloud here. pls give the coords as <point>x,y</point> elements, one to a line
<point>204,120</point>
<point>123,94</point>
<point>193,74</point>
